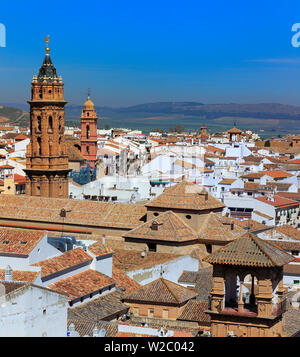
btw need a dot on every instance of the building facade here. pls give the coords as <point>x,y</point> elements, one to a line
<point>47,166</point>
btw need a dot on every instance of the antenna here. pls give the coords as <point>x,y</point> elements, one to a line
<point>162,271</point>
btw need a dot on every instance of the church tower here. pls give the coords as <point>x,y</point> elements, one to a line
<point>89,132</point>
<point>47,166</point>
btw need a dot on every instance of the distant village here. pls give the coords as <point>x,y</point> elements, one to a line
<point>118,233</point>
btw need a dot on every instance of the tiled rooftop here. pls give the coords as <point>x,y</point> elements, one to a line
<point>249,250</point>
<point>99,249</point>
<point>82,284</point>
<point>87,213</point>
<point>214,228</point>
<point>129,260</point>
<point>21,275</point>
<point>166,227</point>
<point>101,308</point>
<point>64,261</point>
<point>194,311</point>
<point>22,242</point>
<point>186,195</point>
<point>123,280</point>
<point>162,291</point>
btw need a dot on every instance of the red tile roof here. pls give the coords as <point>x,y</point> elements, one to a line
<point>278,201</point>
<point>82,284</point>
<point>64,261</point>
<point>249,250</point>
<point>161,291</point>
<point>19,241</point>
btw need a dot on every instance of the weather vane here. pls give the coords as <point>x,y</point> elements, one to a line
<point>47,41</point>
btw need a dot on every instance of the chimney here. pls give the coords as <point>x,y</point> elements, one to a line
<point>8,273</point>
<point>103,239</point>
<point>232,226</point>
<point>206,196</point>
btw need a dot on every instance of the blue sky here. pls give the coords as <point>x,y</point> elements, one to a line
<point>132,52</point>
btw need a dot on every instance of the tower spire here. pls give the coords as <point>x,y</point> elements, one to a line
<point>47,42</point>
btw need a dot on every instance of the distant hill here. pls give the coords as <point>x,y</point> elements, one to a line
<point>271,117</point>
<point>15,116</point>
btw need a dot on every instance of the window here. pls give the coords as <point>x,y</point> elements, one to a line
<point>208,248</point>
<point>152,247</point>
<point>87,149</point>
<point>39,120</point>
<point>87,131</point>
<point>165,314</point>
<point>150,312</point>
<point>156,214</point>
<point>50,123</point>
<point>188,216</point>
<point>296,282</point>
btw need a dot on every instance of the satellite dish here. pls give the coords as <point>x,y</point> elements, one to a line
<point>102,333</point>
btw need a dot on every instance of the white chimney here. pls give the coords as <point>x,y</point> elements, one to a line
<point>8,273</point>
<point>103,239</point>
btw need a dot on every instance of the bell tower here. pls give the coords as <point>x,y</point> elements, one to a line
<point>88,139</point>
<point>47,166</point>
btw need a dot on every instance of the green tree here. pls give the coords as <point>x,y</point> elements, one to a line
<point>267,143</point>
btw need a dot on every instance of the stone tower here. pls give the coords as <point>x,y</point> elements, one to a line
<point>47,167</point>
<point>248,298</point>
<point>89,132</point>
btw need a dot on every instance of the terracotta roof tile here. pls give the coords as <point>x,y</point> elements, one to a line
<point>64,261</point>
<point>21,242</point>
<point>82,284</point>
<point>129,260</point>
<point>124,281</point>
<point>167,227</point>
<point>161,291</point>
<point>195,311</point>
<point>186,195</point>
<point>249,250</point>
<point>21,275</point>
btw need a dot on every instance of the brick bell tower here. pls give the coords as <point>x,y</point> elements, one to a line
<point>47,167</point>
<point>89,132</point>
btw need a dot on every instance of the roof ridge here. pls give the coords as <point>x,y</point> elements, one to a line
<point>169,289</point>
<point>254,238</point>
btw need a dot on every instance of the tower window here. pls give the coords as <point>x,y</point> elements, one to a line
<point>50,122</point>
<point>39,148</point>
<point>39,123</point>
<point>87,149</point>
<point>87,131</point>
<point>59,123</point>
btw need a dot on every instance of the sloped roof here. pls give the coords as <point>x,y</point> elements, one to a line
<point>80,212</point>
<point>21,242</point>
<point>185,195</point>
<point>82,284</point>
<point>162,291</point>
<point>21,275</point>
<point>169,227</point>
<point>214,228</point>
<point>64,261</point>
<point>250,250</point>
<point>195,311</point>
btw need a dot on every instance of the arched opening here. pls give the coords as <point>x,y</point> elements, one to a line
<point>59,123</point>
<point>87,149</point>
<point>87,131</point>
<point>39,146</point>
<point>39,122</point>
<point>241,291</point>
<point>50,123</point>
